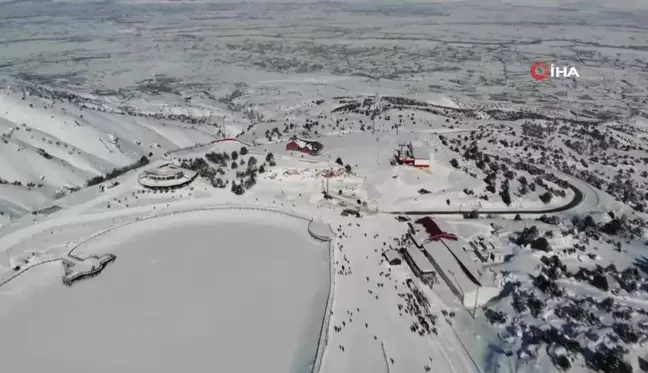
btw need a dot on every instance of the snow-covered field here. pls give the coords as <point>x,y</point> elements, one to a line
<point>543,183</point>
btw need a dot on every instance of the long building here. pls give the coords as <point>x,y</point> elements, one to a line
<point>452,261</point>
<point>304,146</point>
<point>420,154</point>
<point>425,230</point>
<point>416,154</point>
<point>462,275</point>
<point>463,255</point>
<point>420,264</point>
<point>449,269</point>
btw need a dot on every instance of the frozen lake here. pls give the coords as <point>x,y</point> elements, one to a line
<point>226,291</point>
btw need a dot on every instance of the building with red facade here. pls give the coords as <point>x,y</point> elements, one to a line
<point>304,146</point>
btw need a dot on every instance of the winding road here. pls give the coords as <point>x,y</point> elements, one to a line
<point>578,198</point>
<point>583,192</point>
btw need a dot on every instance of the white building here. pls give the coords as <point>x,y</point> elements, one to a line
<point>487,252</point>
<point>491,256</point>
<point>420,153</point>
<point>499,231</point>
<point>420,264</point>
<point>167,176</point>
<point>392,257</point>
<point>560,242</point>
<point>462,275</point>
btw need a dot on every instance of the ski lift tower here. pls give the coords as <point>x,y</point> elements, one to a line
<point>400,150</point>
<point>375,107</point>
<point>373,113</point>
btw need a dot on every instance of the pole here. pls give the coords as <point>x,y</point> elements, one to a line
<point>476,297</point>
<point>328,177</point>
<point>375,105</point>
<point>373,118</point>
<point>382,345</point>
<point>377,155</point>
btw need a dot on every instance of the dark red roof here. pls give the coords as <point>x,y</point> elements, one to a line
<point>294,146</point>
<point>433,230</point>
<point>304,146</point>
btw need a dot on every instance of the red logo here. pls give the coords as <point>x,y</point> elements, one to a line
<point>539,71</point>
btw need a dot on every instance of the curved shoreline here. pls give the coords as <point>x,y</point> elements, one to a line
<point>314,231</point>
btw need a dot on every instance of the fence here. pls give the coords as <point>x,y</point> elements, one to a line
<point>324,331</point>
<point>100,233</point>
<point>192,147</point>
<point>20,272</point>
<point>195,209</point>
<point>199,145</point>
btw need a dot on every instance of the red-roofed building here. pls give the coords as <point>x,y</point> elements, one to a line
<point>304,146</point>
<point>417,154</point>
<point>425,230</point>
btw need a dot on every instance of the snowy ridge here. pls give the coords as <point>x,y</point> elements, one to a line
<point>48,146</point>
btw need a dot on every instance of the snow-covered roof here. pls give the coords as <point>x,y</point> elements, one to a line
<point>303,139</point>
<point>420,150</point>
<point>301,143</point>
<point>457,248</point>
<point>306,144</point>
<point>168,169</point>
<point>166,175</point>
<point>479,296</point>
<point>449,266</point>
<point>391,255</point>
<point>421,153</point>
<point>420,237</point>
<point>445,226</point>
<point>420,260</point>
<point>561,242</point>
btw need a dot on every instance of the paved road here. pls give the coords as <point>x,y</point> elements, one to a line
<point>583,192</point>
<point>578,198</point>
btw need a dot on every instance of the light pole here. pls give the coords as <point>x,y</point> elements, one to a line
<point>328,177</point>
<point>476,297</point>
<point>373,114</point>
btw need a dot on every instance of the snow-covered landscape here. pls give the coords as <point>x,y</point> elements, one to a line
<point>323,187</point>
